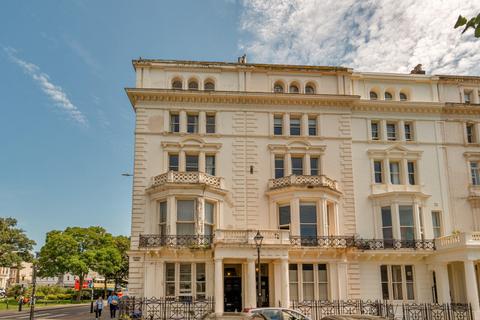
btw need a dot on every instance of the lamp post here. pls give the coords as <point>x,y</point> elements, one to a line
<point>34,286</point>
<point>258,243</point>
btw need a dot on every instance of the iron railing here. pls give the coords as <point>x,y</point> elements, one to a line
<point>187,241</point>
<point>379,244</point>
<point>166,308</point>
<point>317,309</point>
<point>323,242</point>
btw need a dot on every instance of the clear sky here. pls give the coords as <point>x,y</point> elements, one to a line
<point>66,126</point>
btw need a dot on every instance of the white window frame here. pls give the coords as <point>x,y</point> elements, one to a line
<point>440,221</point>
<point>378,131</point>
<point>193,280</point>
<point>403,282</point>
<point>174,125</point>
<point>395,131</point>
<point>195,124</point>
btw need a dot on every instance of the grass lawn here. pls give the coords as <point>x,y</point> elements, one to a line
<point>13,305</point>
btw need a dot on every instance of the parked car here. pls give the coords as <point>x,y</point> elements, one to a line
<point>277,314</point>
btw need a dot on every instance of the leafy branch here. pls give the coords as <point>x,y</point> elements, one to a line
<point>473,23</point>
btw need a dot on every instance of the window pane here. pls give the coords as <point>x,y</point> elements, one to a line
<point>210,165</point>
<point>322,273</point>
<point>308,285</point>
<point>284,215</point>
<point>391,131</point>
<point>308,213</point>
<point>279,171</point>
<point>191,163</point>
<point>314,166</point>
<point>408,131</point>
<point>308,230</point>
<point>163,212</point>
<point>394,172</point>
<point>209,212</point>
<point>185,210</point>
<point>387,229</point>
<point>436,224</point>
<point>375,133</point>
<point>210,124</point>
<point>173,162</point>
<point>170,272</point>
<point>378,171</point>
<point>297,166</point>
<point>312,127</point>
<point>277,125</point>
<point>192,123</point>
<point>411,172</point>
<point>293,272</point>
<point>185,279</point>
<point>294,126</point>
<point>406,222</point>
<point>185,229</point>
<point>174,123</point>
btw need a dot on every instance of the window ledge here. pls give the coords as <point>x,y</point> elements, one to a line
<point>379,189</point>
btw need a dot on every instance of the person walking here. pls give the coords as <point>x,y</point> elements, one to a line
<point>113,304</point>
<point>98,307</point>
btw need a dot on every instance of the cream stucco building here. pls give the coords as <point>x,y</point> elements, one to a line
<point>349,177</point>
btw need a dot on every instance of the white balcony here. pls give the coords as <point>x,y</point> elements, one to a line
<point>303,181</point>
<point>245,237</point>
<point>191,177</point>
<point>458,240</point>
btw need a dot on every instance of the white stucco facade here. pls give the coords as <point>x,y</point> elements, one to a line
<point>348,181</point>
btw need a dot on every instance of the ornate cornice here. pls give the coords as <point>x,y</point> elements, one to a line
<point>234,97</point>
<point>347,102</point>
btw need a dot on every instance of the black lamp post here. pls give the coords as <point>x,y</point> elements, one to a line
<point>258,243</point>
<point>34,286</point>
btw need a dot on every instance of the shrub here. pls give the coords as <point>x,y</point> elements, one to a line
<point>52,297</point>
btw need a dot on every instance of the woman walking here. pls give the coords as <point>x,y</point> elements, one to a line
<point>98,307</point>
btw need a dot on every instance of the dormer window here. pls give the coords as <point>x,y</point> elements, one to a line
<point>373,95</point>
<point>278,87</point>
<point>209,85</point>
<point>309,89</point>
<point>293,89</point>
<point>192,85</point>
<point>388,96</point>
<point>403,96</point>
<point>177,84</point>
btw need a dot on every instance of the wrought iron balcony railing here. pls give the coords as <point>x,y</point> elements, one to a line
<point>305,181</point>
<point>323,242</point>
<point>186,241</point>
<point>191,177</point>
<point>381,244</point>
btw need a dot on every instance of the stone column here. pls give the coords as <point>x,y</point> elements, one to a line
<point>417,221</point>
<point>218,286</point>
<point>201,161</point>
<point>183,121</point>
<point>182,161</point>
<point>471,287</point>
<point>401,130</point>
<point>443,286</point>
<point>251,298</point>
<point>324,218</point>
<point>304,125</point>
<point>307,170</point>
<point>285,301</point>
<point>342,272</point>
<point>288,164</point>
<point>286,124</point>
<point>295,217</point>
<point>160,277</point>
<point>202,122</point>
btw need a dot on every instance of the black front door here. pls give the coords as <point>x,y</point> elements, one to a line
<point>232,286</point>
<point>264,286</point>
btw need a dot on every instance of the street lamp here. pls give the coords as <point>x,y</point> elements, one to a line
<point>258,243</point>
<point>34,286</point>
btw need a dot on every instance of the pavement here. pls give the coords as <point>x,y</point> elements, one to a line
<point>70,312</point>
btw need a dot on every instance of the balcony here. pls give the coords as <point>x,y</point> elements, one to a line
<point>393,244</point>
<point>172,241</point>
<point>458,240</point>
<point>303,181</point>
<point>245,237</point>
<point>336,242</point>
<point>191,177</point>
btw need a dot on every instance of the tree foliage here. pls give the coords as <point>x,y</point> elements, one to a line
<point>473,23</point>
<point>15,246</point>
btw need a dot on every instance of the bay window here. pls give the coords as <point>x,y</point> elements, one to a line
<point>387,227</point>
<point>163,218</point>
<point>209,214</point>
<point>186,217</point>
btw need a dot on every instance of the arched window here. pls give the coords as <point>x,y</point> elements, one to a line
<point>388,95</point>
<point>403,96</point>
<point>177,84</point>
<point>192,84</point>
<point>278,87</point>
<point>373,95</point>
<point>293,89</point>
<point>309,89</point>
<point>209,85</point>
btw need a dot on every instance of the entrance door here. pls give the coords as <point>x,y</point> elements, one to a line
<point>232,285</point>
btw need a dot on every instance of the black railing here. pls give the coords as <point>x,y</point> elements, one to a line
<point>316,310</point>
<point>379,244</point>
<point>323,242</point>
<point>188,241</point>
<point>166,308</point>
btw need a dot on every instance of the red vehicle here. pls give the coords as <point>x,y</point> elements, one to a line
<point>87,284</point>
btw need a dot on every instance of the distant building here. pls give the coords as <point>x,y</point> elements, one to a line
<point>363,185</point>
<point>4,277</point>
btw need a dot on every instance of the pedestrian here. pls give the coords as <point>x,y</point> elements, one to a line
<point>98,307</point>
<point>113,304</point>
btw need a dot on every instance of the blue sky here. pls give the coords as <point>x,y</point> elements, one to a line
<point>66,125</point>
<point>58,171</point>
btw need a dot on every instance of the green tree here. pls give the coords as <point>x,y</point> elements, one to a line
<point>73,250</point>
<point>473,23</point>
<point>15,246</point>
